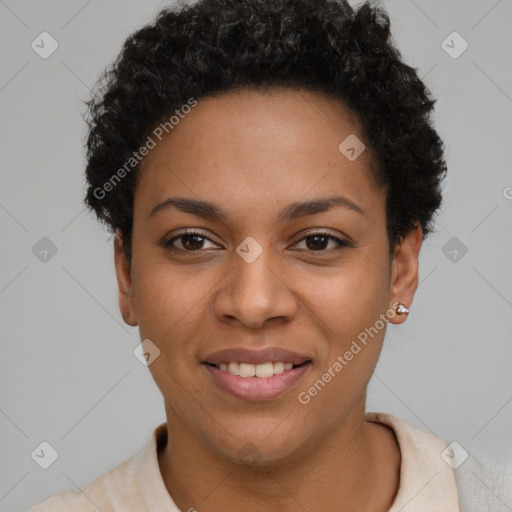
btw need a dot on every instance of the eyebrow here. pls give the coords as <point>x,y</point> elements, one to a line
<point>293,211</point>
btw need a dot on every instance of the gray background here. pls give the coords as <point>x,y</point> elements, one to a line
<point>68,373</point>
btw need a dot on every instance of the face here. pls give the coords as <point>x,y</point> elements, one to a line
<point>261,272</point>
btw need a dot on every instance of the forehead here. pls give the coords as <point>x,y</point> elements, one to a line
<point>256,149</point>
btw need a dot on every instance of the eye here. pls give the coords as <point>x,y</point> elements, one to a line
<point>317,241</point>
<point>193,241</point>
<point>190,241</point>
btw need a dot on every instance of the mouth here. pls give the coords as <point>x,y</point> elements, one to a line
<point>261,371</point>
<point>256,376</point>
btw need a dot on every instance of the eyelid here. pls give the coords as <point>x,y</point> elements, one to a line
<point>323,231</point>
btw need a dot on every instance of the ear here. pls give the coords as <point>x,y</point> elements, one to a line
<point>404,275</point>
<point>124,282</point>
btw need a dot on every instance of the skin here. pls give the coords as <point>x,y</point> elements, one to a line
<point>252,154</point>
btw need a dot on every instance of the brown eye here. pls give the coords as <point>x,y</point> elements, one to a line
<point>317,242</point>
<point>194,241</point>
<point>190,241</point>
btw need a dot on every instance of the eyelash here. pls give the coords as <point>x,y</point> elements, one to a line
<point>342,243</point>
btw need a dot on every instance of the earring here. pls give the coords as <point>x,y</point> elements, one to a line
<point>401,309</point>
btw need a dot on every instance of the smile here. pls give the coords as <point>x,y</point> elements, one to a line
<point>263,370</point>
<point>256,382</point>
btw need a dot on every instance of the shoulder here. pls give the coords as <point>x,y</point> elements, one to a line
<point>483,481</point>
<point>421,447</point>
<point>427,479</point>
<point>108,492</point>
<point>66,501</point>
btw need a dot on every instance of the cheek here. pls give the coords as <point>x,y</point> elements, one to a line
<point>346,300</point>
<point>173,304</point>
<point>167,307</point>
<point>166,302</point>
<point>349,307</point>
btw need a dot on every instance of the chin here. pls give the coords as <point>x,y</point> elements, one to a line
<point>260,445</point>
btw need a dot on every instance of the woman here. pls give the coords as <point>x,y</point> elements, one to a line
<point>270,172</point>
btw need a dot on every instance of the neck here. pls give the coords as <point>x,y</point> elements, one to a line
<point>355,467</point>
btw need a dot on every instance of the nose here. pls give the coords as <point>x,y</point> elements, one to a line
<point>256,292</point>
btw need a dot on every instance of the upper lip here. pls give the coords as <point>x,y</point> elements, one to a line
<point>266,355</point>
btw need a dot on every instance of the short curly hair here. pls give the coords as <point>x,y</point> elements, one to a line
<point>216,46</point>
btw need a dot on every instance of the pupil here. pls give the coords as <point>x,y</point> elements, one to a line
<point>191,246</point>
<point>316,238</point>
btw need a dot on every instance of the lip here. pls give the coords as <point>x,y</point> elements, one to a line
<point>256,389</point>
<point>266,355</point>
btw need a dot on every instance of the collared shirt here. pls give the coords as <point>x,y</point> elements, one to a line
<point>427,481</point>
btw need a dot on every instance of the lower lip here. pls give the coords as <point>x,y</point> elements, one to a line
<point>257,389</point>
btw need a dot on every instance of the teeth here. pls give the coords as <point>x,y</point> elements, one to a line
<point>262,370</point>
<point>278,367</point>
<point>247,370</point>
<point>233,368</point>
